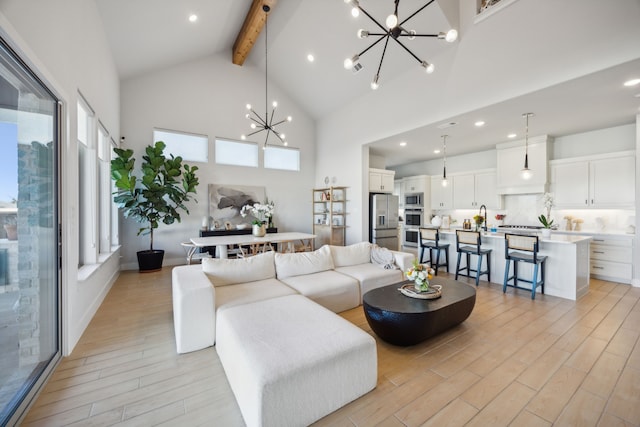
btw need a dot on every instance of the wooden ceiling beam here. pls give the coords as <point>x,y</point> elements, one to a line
<point>253,24</point>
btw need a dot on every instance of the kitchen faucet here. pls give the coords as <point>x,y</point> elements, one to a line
<point>484,227</point>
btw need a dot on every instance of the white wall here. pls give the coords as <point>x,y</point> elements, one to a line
<point>65,43</point>
<point>524,54</point>
<point>208,97</point>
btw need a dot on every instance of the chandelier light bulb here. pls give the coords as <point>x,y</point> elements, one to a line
<point>289,118</point>
<point>428,68</point>
<point>526,173</point>
<point>374,83</point>
<point>392,21</point>
<point>248,106</point>
<point>355,12</point>
<point>243,137</point>
<point>445,181</point>
<point>285,143</point>
<point>363,33</point>
<point>452,35</point>
<point>247,116</point>
<point>282,136</point>
<point>275,104</point>
<point>348,63</point>
<point>253,125</point>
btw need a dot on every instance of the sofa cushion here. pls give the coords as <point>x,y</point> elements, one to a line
<point>244,293</point>
<point>371,276</point>
<point>330,289</point>
<point>224,272</point>
<point>302,263</point>
<point>344,256</point>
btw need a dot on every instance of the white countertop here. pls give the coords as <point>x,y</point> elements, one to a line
<point>556,237</point>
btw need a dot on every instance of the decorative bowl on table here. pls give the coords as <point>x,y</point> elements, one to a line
<point>242,226</point>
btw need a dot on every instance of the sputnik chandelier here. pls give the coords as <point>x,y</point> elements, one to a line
<point>393,30</point>
<point>257,122</point>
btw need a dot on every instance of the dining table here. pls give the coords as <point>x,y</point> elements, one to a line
<point>284,242</point>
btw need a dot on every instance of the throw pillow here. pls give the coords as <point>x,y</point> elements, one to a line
<point>297,264</point>
<point>345,256</point>
<point>224,272</point>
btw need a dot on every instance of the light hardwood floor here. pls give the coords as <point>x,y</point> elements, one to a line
<point>514,361</point>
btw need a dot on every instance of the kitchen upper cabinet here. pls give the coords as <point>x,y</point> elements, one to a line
<point>416,184</point>
<point>441,197</point>
<point>510,161</point>
<point>595,182</point>
<point>381,180</point>
<point>398,190</point>
<point>471,191</point>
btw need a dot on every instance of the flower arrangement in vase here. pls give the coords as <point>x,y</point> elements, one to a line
<point>420,274</point>
<point>478,220</point>
<point>546,221</point>
<point>500,219</point>
<point>261,212</point>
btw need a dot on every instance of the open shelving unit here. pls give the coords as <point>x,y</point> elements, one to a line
<point>329,215</point>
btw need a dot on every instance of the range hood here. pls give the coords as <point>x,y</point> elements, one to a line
<point>510,161</point>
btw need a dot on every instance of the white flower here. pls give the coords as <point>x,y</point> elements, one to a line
<point>261,212</point>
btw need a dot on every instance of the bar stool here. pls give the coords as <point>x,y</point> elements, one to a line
<point>525,249</point>
<point>472,246</point>
<point>430,239</point>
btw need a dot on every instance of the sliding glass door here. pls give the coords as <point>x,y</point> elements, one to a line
<point>30,342</point>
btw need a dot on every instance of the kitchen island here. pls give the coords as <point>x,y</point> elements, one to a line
<point>567,265</point>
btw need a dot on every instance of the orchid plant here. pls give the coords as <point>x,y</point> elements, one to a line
<point>547,201</point>
<point>261,212</point>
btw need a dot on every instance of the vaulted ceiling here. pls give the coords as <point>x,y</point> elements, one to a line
<point>151,34</point>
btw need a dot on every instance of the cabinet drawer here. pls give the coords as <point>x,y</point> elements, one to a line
<point>611,253</point>
<point>611,269</point>
<point>627,243</point>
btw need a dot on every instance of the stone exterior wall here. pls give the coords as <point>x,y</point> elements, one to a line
<point>36,188</point>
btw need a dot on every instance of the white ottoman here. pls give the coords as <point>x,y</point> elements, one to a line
<point>290,361</point>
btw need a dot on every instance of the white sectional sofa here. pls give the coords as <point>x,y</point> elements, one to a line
<point>290,360</point>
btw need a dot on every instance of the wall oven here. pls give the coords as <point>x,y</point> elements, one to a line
<point>413,200</point>
<point>414,217</point>
<point>410,237</point>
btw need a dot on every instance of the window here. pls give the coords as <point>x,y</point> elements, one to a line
<point>87,223</point>
<point>189,146</point>
<point>282,158</point>
<point>29,257</point>
<point>236,153</point>
<point>104,190</point>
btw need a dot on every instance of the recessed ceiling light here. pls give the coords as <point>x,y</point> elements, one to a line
<point>403,144</point>
<point>310,57</point>
<point>436,151</point>
<point>511,135</point>
<point>193,17</point>
<point>479,123</point>
<point>632,82</point>
<point>446,125</point>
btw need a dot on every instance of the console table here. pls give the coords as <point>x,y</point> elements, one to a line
<point>221,242</point>
<point>234,232</point>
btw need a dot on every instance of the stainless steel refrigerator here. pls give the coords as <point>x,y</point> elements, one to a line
<point>383,224</point>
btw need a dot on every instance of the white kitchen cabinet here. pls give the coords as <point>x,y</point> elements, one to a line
<point>416,184</point>
<point>398,190</point>
<point>510,161</point>
<point>611,258</point>
<point>381,180</point>
<point>604,181</point>
<point>473,190</point>
<point>441,197</point>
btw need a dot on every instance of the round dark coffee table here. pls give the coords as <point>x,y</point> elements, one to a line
<point>401,320</point>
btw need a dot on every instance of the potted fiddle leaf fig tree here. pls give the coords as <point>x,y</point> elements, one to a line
<point>157,196</point>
